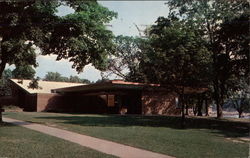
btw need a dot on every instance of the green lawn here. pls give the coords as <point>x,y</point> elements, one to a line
<point>159,134</point>
<point>20,142</point>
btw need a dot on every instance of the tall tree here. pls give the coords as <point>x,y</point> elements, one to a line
<point>207,16</point>
<point>233,41</point>
<point>80,37</point>
<point>177,57</point>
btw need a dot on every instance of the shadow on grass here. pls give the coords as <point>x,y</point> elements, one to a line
<point>5,124</point>
<point>228,128</point>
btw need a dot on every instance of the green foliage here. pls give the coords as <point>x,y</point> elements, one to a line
<point>216,21</point>
<point>7,74</point>
<point>125,61</point>
<point>234,42</point>
<point>55,76</point>
<point>80,37</point>
<point>52,76</point>
<point>4,85</point>
<point>23,72</point>
<point>239,95</point>
<point>34,84</point>
<point>102,80</point>
<point>178,56</point>
<point>76,79</point>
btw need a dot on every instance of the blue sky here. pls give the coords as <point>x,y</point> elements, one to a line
<point>141,13</point>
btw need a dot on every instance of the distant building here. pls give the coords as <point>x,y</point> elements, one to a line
<point>112,97</point>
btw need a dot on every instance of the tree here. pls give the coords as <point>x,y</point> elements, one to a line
<point>177,57</point>
<point>76,79</point>
<point>86,81</point>
<point>53,76</point>
<point>23,72</point>
<point>239,96</point>
<point>234,42</point>
<point>34,84</point>
<point>126,58</point>
<point>207,16</point>
<point>4,86</point>
<point>80,37</point>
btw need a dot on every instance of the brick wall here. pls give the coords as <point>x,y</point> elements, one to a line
<point>71,103</point>
<point>47,102</point>
<point>29,102</point>
<point>7,100</point>
<point>159,102</point>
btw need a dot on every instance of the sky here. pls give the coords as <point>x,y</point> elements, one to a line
<point>141,13</point>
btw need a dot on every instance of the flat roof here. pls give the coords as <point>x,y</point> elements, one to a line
<point>119,85</point>
<point>45,86</point>
<point>105,86</point>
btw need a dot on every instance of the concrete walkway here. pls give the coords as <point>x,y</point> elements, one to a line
<point>101,145</point>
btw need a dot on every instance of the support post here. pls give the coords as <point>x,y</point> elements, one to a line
<point>1,110</point>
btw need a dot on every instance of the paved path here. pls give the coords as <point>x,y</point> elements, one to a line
<point>101,145</point>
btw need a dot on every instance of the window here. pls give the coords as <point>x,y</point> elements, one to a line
<point>111,100</point>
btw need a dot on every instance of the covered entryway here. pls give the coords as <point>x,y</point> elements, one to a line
<point>113,98</point>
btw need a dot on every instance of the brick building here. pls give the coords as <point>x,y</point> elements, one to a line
<point>112,97</point>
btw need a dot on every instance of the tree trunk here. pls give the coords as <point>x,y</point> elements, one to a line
<point>2,67</point>
<point>199,106</point>
<point>240,114</point>
<point>182,109</point>
<point>217,100</point>
<point>216,81</point>
<point>1,119</point>
<point>194,110</point>
<point>219,109</point>
<point>186,109</point>
<point>206,103</point>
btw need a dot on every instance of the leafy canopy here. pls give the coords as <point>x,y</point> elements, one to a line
<point>178,56</point>
<point>80,37</point>
<point>23,72</point>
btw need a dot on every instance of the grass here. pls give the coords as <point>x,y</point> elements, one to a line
<point>20,142</point>
<point>158,134</point>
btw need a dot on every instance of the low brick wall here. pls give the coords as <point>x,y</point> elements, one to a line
<point>159,102</point>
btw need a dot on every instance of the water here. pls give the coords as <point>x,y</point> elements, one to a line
<point>236,116</point>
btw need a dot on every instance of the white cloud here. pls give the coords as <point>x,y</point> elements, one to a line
<point>48,63</point>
